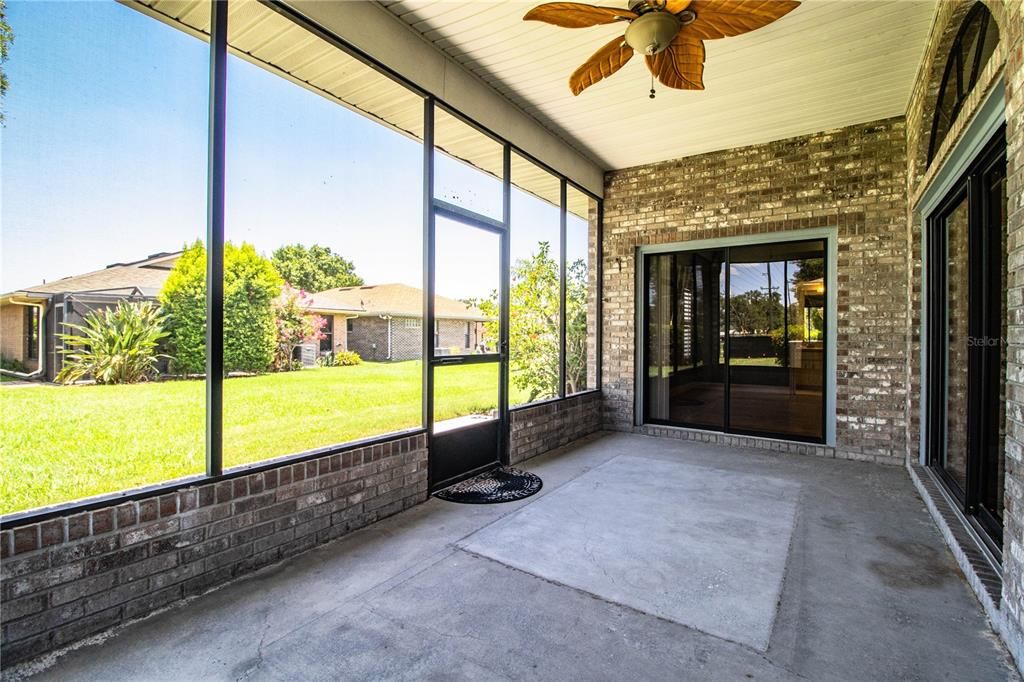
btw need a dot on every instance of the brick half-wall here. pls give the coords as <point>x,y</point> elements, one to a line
<point>67,578</point>
<point>851,179</point>
<point>535,429</point>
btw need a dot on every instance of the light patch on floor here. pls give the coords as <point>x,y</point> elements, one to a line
<point>702,547</point>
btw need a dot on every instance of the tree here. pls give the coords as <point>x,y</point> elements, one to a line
<point>808,269</point>
<point>576,288</point>
<point>754,312</point>
<point>533,324</point>
<point>314,268</point>
<point>6,38</point>
<point>250,286</point>
<point>295,325</point>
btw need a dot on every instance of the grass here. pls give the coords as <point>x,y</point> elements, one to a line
<point>61,443</point>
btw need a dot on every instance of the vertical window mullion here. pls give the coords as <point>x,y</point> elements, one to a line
<point>599,293</point>
<point>427,328</point>
<point>561,286</point>
<point>726,355</point>
<point>215,239</point>
<point>504,312</point>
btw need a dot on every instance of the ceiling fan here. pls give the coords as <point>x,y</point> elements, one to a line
<point>669,33</point>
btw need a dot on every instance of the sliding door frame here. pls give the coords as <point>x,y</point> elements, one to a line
<point>984,321</point>
<point>827,234</point>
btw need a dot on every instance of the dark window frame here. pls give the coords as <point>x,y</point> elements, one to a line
<point>31,323</point>
<point>327,343</point>
<point>983,322</point>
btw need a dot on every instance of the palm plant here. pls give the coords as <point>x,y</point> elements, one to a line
<point>115,345</point>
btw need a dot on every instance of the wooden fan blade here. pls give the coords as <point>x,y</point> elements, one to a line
<point>577,15</point>
<point>681,65</point>
<point>676,6</point>
<point>726,18</point>
<point>601,64</point>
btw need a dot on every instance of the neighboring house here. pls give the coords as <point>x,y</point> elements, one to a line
<point>31,318</point>
<point>390,317</point>
<point>380,322</point>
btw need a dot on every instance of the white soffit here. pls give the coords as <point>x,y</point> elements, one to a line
<point>827,64</point>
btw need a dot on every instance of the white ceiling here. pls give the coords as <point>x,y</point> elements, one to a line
<point>827,64</point>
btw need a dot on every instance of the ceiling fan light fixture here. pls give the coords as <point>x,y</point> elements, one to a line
<point>652,32</point>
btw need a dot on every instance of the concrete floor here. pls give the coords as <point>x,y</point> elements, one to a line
<point>640,559</point>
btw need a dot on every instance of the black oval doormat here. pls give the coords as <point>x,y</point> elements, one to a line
<point>503,484</point>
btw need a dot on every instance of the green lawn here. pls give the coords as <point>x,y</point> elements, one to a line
<point>61,443</point>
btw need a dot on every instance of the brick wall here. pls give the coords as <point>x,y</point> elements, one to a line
<point>535,429</point>
<point>369,338</point>
<point>853,179</point>
<point>452,334</point>
<point>70,577</point>
<point>406,338</point>
<point>1012,29</point>
<point>339,335</point>
<point>12,335</point>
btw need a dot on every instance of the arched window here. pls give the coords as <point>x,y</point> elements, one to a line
<point>971,50</point>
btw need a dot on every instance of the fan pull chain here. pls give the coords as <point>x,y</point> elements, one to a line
<point>652,86</point>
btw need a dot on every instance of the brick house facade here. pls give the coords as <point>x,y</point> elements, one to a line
<point>387,322</point>
<point>851,180</point>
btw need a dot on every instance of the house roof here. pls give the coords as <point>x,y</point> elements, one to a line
<point>145,277</point>
<point>396,300</point>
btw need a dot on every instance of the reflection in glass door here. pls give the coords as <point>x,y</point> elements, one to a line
<point>735,339</point>
<point>776,339</point>
<point>685,350</point>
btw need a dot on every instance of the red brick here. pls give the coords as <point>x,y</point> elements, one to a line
<point>102,521</point>
<point>26,538</point>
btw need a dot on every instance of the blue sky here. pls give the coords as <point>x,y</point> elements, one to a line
<point>104,160</point>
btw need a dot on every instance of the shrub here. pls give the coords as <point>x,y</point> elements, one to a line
<point>183,299</point>
<point>295,325</point>
<point>250,286</point>
<point>114,345</point>
<point>342,358</point>
<point>347,358</point>
<point>12,365</point>
<point>780,342</point>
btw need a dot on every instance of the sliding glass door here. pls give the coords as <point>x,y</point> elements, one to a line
<point>685,369</point>
<point>735,339</point>
<point>966,332</point>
